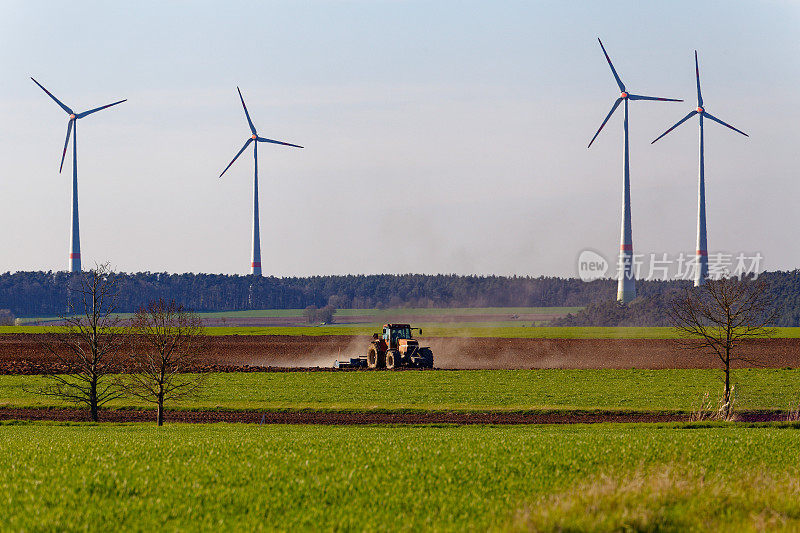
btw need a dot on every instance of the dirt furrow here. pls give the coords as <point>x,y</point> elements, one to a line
<point>356,418</point>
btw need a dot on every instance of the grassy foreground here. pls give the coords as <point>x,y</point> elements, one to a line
<point>646,390</point>
<point>245,478</point>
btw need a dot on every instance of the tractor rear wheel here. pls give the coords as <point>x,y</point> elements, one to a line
<point>372,357</point>
<point>391,359</point>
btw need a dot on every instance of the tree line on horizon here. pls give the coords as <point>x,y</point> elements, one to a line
<point>31,294</point>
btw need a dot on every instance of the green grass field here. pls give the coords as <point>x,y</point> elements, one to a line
<point>422,311</point>
<point>230,477</point>
<point>501,326</point>
<point>467,390</point>
<point>379,314</point>
<point>486,330</point>
<point>463,329</point>
<point>248,478</point>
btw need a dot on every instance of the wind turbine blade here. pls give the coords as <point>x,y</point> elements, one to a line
<point>681,121</point>
<point>610,64</point>
<point>263,140</point>
<point>65,108</point>
<point>697,72</point>
<point>237,156</point>
<point>718,121</point>
<point>66,143</point>
<point>96,109</point>
<point>613,108</point>
<point>250,122</point>
<point>656,98</point>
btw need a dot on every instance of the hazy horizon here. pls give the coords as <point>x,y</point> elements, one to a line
<point>440,138</point>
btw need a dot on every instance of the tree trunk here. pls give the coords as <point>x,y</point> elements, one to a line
<point>160,416</point>
<point>93,401</point>
<point>727,397</point>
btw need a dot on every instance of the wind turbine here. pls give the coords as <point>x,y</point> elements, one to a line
<point>626,286</point>
<point>701,271</point>
<point>255,263</point>
<point>72,126</point>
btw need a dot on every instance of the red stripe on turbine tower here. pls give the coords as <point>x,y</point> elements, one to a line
<point>75,256</point>
<point>626,248</point>
<point>255,264</point>
<point>702,252</point>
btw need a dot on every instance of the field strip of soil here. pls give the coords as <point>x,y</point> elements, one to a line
<point>21,353</point>
<point>360,418</point>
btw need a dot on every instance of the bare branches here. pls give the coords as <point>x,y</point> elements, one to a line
<point>722,313</point>
<point>164,341</point>
<point>88,343</point>
<point>719,315</point>
<point>168,339</point>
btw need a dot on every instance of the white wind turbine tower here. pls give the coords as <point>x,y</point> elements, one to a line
<point>255,262</point>
<point>701,270</point>
<point>626,286</point>
<point>72,127</point>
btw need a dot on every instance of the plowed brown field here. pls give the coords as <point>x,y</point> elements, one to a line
<point>20,353</point>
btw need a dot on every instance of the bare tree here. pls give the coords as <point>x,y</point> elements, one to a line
<point>168,340</point>
<point>87,346</point>
<point>719,315</point>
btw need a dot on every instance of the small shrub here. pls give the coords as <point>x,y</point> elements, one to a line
<point>793,414</point>
<point>710,410</point>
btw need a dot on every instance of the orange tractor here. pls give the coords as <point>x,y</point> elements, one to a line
<point>395,347</point>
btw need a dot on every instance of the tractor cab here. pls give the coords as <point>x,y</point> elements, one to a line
<point>397,334</point>
<point>398,339</point>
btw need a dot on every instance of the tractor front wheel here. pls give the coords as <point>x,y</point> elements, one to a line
<point>391,359</point>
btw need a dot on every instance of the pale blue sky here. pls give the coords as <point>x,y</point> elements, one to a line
<point>441,136</point>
